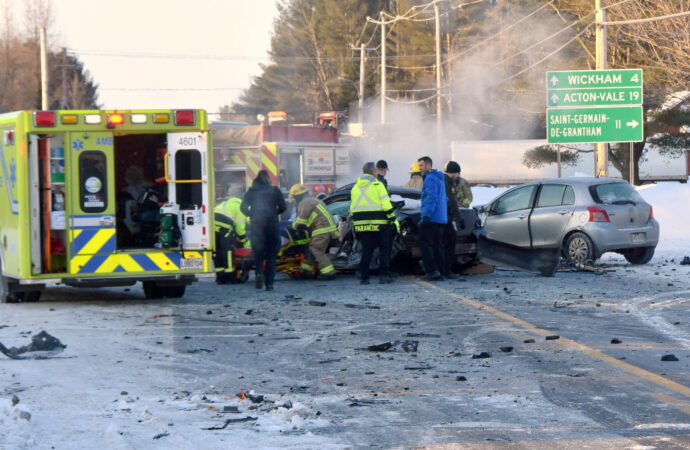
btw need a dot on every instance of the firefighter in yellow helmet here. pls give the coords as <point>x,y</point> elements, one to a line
<point>313,215</point>
<point>416,180</point>
<point>230,226</point>
<point>373,219</point>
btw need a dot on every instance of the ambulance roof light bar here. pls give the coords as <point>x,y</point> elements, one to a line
<point>44,118</point>
<point>115,119</point>
<point>185,117</point>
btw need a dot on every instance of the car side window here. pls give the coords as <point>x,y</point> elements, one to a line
<point>550,195</point>
<point>514,200</point>
<point>569,196</point>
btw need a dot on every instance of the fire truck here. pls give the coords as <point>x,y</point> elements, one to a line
<point>105,198</point>
<point>311,155</point>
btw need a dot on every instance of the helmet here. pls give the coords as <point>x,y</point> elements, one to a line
<point>298,189</point>
<point>452,167</point>
<point>414,167</point>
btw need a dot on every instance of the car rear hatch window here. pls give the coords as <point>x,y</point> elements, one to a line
<point>625,207</point>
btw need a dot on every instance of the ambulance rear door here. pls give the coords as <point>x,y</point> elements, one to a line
<point>92,203</point>
<point>188,183</point>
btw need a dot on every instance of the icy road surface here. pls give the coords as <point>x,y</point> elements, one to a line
<point>173,374</point>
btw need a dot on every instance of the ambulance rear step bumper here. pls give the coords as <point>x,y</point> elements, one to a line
<point>163,280</point>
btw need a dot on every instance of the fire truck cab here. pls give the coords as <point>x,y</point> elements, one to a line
<point>104,198</point>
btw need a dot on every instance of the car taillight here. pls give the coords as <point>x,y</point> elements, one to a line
<point>597,214</point>
<point>44,118</point>
<point>184,117</point>
<point>651,213</point>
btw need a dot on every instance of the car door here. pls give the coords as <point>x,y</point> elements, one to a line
<point>552,211</point>
<point>508,217</point>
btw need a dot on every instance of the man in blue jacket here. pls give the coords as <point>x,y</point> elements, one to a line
<point>433,219</point>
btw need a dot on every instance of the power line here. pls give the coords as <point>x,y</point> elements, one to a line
<point>545,57</point>
<point>648,19</point>
<point>173,89</point>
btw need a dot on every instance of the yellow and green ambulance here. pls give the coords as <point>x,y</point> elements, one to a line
<point>105,198</point>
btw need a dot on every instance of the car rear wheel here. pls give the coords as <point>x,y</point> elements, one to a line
<point>640,255</point>
<point>578,248</point>
<point>152,290</point>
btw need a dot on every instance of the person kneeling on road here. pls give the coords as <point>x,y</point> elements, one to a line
<point>373,219</point>
<point>313,215</point>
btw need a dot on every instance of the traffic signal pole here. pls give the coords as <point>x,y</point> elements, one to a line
<point>601,155</point>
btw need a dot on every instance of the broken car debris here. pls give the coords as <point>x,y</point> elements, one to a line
<point>42,346</point>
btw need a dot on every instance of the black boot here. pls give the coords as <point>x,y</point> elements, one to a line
<point>258,280</point>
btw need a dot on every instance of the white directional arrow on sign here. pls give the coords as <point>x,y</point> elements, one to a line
<point>554,80</point>
<point>632,123</point>
<point>554,98</point>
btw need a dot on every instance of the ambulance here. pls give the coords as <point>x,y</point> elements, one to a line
<point>105,198</point>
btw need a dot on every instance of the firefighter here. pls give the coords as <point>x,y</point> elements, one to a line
<point>313,215</point>
<point>230,226</point>
<point>416,180</point>
<point>463,190</point>
<point>434,217</point>
<point>451,173</point>
<point>373,219</point>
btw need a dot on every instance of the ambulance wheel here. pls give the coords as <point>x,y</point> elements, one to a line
<point>175,291</point>
<point>152,290</point>
<point>29,296</point>
<point>5,295</point>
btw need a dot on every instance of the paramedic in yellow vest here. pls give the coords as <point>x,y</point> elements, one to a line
<point>373,219</point>
<point>230,227</point>
<point>313,215</point>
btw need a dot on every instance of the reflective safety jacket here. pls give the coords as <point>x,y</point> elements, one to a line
<point>370,205</point>
<point>223,224</point>
<point>231,209</point>
<point>313,214</point>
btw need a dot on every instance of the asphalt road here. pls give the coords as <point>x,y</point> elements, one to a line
<point>601,383</point>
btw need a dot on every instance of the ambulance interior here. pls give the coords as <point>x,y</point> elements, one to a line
<point>140,188</point>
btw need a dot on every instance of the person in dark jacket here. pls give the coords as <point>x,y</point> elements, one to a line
<point>263,203</point>
<point>452,172</point>
<point>434,217</point>
<point>381,172</point>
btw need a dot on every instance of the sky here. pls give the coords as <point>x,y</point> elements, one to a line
<point>165,53</point>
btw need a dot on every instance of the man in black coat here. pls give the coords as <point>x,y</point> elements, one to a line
<point>263,203</point>
<point>451,173</point>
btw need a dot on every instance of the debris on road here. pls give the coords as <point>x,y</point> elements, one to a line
<point>528,341</point>
<point>380,347</point>
<point>419,368</point>
<point>410,346</point>
<point>350,305</point>
<point>460,378</point>
<point>556,305</point>
<point>161,435</point>
<point>419,335</point>
<point>229,421</point>
<point>616,341</point>
<point>42,346</point>
<point>506,349</point>
<point>669,358</point>
<point>316,303</point>
<point>685,261</point>
<point>481,355</point>
<point>552,337</point>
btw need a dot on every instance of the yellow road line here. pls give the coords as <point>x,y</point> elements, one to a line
<point>569,343</point>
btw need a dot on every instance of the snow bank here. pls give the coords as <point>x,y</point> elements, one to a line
<point>671,203</point>
<point>15,426</point>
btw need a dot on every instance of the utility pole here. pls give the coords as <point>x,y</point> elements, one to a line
<point>601,154</point>
<point>383,69</point>
<point>44,69</point>
<point>439,97</point>
<point>360,93</point>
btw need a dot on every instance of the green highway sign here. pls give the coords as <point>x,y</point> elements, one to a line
<point>583,79</point>
<point>599,124</point>
<point>558,98</point>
